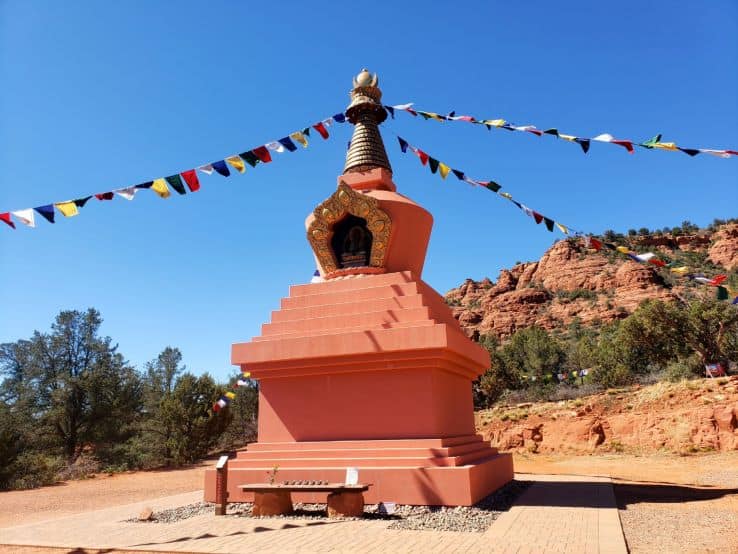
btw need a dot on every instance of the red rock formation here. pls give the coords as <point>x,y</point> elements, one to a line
<point>569,282</point>
<point>724,249</point>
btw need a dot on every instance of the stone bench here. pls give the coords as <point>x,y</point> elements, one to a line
<point>276,499</point>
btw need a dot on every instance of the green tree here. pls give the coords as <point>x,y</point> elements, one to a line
<point>186,414</point>
<point>498,378</point>
<point>533,352</point>
<point>68,382</point>
<point>244,411</point>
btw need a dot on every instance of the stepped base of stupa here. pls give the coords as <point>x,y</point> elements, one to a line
<point>372,372</point>
<point>453,471</point>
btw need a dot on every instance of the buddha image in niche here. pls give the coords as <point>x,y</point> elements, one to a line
<point>352,242</point>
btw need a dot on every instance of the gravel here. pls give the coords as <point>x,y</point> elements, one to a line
<point>476,518</point>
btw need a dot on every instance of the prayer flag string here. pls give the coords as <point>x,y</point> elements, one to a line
<point>161,186</point>
<point>654,143</point>
<point>590,242</point>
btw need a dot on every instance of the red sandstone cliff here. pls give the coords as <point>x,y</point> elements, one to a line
<point>569,282</point>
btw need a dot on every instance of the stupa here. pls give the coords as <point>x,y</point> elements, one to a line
<point>367,369</point>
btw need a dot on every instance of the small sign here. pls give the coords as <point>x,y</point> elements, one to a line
<point>352,476</point>
<point>222,461</point>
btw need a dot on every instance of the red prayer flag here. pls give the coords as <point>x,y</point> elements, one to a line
<point>538,217</point>
<point>263,154</point>
<point>594,243</point>
<point>190,177</point>
<point>656,261</point>
<point>718,279</point>
<point>321,129</point>
<point>625,144</point>
<point>104,196</point>
<point>422,155</point>
<point>6,218</point>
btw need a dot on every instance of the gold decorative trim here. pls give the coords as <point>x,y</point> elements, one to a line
<point>341,203</point>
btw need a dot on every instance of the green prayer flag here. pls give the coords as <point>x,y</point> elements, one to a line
<point>306,131</point>
<point>250,158</point>
<point>175,181</point>
<point>655,140</point>
<point>549,223</point>
<point>494,187</point>
<point>433,164</point>
<point>722,293</point>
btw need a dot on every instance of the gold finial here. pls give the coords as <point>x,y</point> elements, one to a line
<point>366,113</point>
<point>365,79</point>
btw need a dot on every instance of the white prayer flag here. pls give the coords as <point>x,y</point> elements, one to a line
<point>26,217</point>
<point>207,169</point>
<point>277,147</point>
<point>352,476</point>
<point>128,193</point>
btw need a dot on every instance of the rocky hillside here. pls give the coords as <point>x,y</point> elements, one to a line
<point>570,282</point>
<point>686,417</point>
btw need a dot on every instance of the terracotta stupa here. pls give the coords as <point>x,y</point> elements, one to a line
<point>367,369</point>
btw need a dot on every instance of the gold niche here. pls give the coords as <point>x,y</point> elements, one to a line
<point>341,203</point>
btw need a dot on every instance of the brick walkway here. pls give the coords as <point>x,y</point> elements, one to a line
<point>556,514</point>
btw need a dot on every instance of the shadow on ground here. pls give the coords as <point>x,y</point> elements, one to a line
<point>664,493</point>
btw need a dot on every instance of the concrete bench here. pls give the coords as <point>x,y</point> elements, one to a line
<point>276,499</point>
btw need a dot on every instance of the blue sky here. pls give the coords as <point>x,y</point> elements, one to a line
<point>102,95</point>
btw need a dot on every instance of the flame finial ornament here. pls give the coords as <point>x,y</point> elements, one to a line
<point>366,112</point>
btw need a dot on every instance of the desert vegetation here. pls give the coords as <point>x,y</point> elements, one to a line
<point>71,405</point>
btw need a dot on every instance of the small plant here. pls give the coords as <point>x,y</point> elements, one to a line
<point>272,474</point>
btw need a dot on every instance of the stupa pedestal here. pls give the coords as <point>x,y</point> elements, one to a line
<point>368,369</point>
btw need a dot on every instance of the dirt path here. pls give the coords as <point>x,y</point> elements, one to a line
<point>666,503</point>
<point>72,497</point>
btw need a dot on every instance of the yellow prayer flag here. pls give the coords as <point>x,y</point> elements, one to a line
<point>665,145</point>
<point>237,163</point>
<point>69,209</point>
<point>562,228</point>
<point>299,137</point>
<point>623,249</point>
<point>505,195</point>
<point>231,395</point>
<point>160,187</point>
<point>443,169</point>
<point>494,122</point>
<point>567,137</point>
<point>435,116</point>
<point>247,374</point>
<point>680,270</point>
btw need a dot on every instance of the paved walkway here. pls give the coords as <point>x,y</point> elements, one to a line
<point>556,514</point>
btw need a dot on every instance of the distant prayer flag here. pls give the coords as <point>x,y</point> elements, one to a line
<point>80,202</point>
<point>321,129</point>
<point>68,209</point>
<point>236,163</point>
<point>175,181</point>
<point>221,167</point>
<point>250,158</point>
<point>299,137</point>
<point>104,196</point>
<point>47,212</point>
<point>159,186</point>
<point>26,217</point>
<point>190,177</point>
<point>5,218</point>
<point>288,144</point>
<point>443,169</point>
<point>433,164</point>
<point>263,154</point>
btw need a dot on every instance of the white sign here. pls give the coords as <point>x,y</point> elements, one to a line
<point>221,462</point>
<point>352,476</point>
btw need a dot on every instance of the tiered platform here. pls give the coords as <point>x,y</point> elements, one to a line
<point>372,372</point>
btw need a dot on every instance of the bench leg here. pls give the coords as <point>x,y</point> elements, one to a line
<point>272,503</point>
<point>346,504</point>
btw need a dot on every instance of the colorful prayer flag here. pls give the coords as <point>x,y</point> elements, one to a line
<point>5,218</point>
<point>68,209</point>
<point>159,186</point>
<point>47,212</point>
<point>250,158</point>
<point>104,196</point>
<point>443,169</point>
<point>321,129</point>
<point>263,154</point>
<point>237,163</point>
<point>128,192</point>
<point>190,177</point>
<point>221,167</point>
<point>175,181</point>
<point>288,144</point>
<point>299,137</point>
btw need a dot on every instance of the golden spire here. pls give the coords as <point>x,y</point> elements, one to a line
<point>366,113</point>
